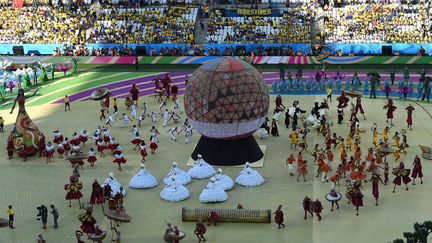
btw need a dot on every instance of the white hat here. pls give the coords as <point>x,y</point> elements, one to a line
<point>111,174</point>
<point>199,156</point>
<point>175,164</point>
<point>142,166</point>
<point>219,170</point>
<point>247,163</point>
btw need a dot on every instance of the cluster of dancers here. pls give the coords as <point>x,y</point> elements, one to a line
<point>355,167</point>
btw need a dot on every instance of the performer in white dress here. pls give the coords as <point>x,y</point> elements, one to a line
<point>188,135</point>
<point>145,110</point>
<point>125,120</point>
<point>249,177</point>
<point>165,118</point>
<point>110,118</point>
<point>181,176</point>
<point>174,191</point>
<point>201,169</point>
<point>114,184</point>
<point>213,193</point>
<point>173,132</point>
<point>154,116</point>
<point>134,111</point>
<point>223,181</point>
<point>174,117</point>
<point>143,179</point>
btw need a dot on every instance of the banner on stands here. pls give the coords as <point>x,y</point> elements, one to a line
<point>249,11</point>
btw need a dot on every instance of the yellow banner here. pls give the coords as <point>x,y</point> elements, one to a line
<point>248,11</point>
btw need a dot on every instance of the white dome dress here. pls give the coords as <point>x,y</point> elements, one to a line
<point>213,193</point>
<point>174,192</point>
<point>249,177</point>
<point>201,170</point>
<point>223,181</point>
<point>143,179</point>
<point>180,175</point>
<point>114,184</point>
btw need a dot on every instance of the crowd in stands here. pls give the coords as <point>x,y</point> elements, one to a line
<point>293,26</point>
<point>144,25</point>
<point>372,21</point>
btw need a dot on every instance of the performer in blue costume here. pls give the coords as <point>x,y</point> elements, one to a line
<point>366,85</point>
<point>274,86</point>
<point>419,90</point>
<point>308,84</point>
<point>338,84</point>
<point>294,85</point>
<point>347,84</point>
<point>330,83</point>
<point>356,84</point>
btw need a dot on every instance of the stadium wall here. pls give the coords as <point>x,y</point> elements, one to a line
<point>357,49</point>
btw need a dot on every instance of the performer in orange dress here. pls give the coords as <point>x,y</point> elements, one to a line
<point>410,109</point>
<point>290,162</point>
<point>25,133</point>
<point>417,170</point>
<point>402,175</point>
<point>73,190</point>
<point>279,217</point>
<point>302,169</point>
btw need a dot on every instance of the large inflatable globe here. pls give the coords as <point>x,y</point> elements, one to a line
<point>226,101</point>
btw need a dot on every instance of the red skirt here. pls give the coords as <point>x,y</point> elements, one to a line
<point>49,154</point>
<point>88,228</point>
<point>409,120</point>
<point>136,141</point>
<point>66,147</point>
<point>58,139</point>
<point>417,172</point>
<point>60,151</point>
<point>91,159</point>
<point>357,200</point>
<point>10,152</point>
<point>112,146</point>
<point>153,145</point>
<point>106,139</point>
<point>398,180</point>
<point>101,148</point>
<point>143,153</point>
<point>120,161</point>
<point>375,191</point>
<point>74,142</point>
<point>389,114</point>
<point>97,199</point>
<point>83,139</point>
<point>73,195</point>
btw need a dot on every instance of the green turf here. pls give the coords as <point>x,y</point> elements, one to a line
<point>60,94</point>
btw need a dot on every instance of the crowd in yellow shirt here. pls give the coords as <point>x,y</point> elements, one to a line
<point>294,27</point>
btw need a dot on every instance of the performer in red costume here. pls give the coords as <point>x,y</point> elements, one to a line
<point>42,144</point>
<point>279,106</point>
<point>200,230</point>
<point>318,208</point>
<point>342,100</point>
<point>73,190</point>
<point>119,159</point>
<point>390,110</point>
<point>401,174</point>
<point>87,222</point>
<point>213,218</point>
<point>376,179</point>
<point>134,93</point>
<point>306,206</point>
<point>143,151</point>
<point>91,157</point>
<point>356,195</point>
<point>359,107</point>
<point>97,196</point>
<point>409,120</point>
<point>279,217</point>
<point>49,152</point>
<point>417,170</point>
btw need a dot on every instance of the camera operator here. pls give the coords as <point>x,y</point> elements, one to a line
<point>42,214</point>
